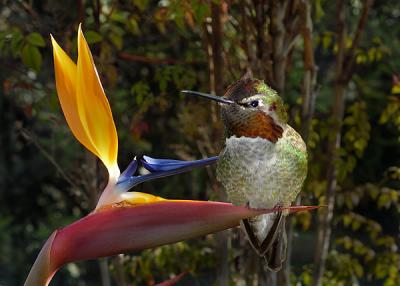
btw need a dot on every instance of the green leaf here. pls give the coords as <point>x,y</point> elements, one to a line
<point>141,91</point>
<point>326,41</point>
<point>35,39</point>
<point>119,16</point>
<point>396,89</point>
<point>116,40</point>
<point>358,269</point>
<point>16,44</point>
<point>31,57</point>
<point>319,12</point>
<point>133,26</point>
<point>93,37</point>
<point>200,10</point>
<point>384,201</point>
<point>141,4</point>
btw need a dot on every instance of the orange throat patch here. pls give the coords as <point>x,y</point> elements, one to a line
<point>259,125</point>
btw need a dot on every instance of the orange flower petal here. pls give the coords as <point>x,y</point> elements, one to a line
<point>93,107</point>
<point>85,104</point>
<point>65,73</point>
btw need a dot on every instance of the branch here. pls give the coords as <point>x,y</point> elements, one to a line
<point>278,31</point>
<point>341,38</point>
<point>151,60</point>
<point>293,23</point>
<point>309,96</point>
<point>344,66</point>
<point>81,12</point>
<point>347,73</point>
<point>291,42</point>
<point>28,8</point>
<point>31,137</point>
<point>246,40</point>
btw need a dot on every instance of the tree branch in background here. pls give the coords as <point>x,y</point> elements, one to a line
<point>152,60</point>
<point>277,35</point>
<point>216,43</point>
<point>310,71</point>
<point>246,44</point>
<point>93,172</point>
<point>260,39</point>
<point>104,272</point>
<point>350,56</point>
<point>343,64</point>
<point>81,12</point>
<point>120,276</point>
<point>325,217</point>
<point>32,138</point>
<point>217,86</point>
<point>307,113</point>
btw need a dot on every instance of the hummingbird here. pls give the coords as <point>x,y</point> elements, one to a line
<point>263,163</point>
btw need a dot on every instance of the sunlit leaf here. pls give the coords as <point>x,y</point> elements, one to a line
<point>31,57</point>
<point>93,37</point>
<point>35,39</point>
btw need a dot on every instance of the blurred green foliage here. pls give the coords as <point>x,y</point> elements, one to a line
<point>146,51</point>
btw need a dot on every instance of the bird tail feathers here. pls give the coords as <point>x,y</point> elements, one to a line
<point>273,247</point>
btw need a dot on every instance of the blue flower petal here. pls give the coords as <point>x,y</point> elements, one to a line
<point>158,165</point>
<point>163,168</point>
<point>129,171</point>
<point>160,161</point>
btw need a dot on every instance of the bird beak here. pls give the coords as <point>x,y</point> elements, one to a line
<point>209,96</point>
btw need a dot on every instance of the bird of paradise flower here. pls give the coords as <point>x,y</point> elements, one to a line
<point>122,221</point>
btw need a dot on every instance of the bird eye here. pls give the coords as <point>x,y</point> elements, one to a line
<point>254,103</point>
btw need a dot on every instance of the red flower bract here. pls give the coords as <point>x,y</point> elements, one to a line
<point>132,228</point>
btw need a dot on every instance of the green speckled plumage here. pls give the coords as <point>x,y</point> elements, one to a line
<point>261,173</point>
<point>272,97</point>
<point>263,164</point>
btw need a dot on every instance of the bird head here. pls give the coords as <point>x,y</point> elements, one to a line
<point>251,108</point>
